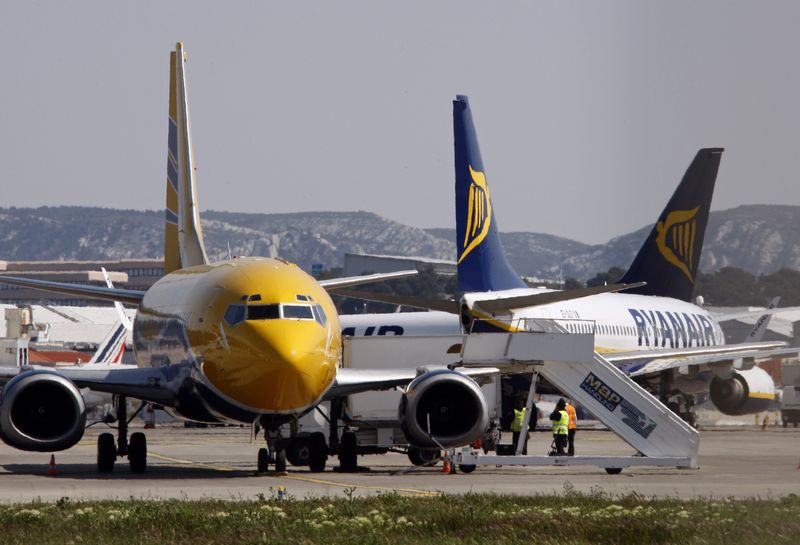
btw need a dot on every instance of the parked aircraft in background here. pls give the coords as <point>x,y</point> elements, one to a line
<point>652,332</point>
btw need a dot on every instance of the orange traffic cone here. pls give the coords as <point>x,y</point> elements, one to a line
<point>446,465</point>
<point>52,469</point>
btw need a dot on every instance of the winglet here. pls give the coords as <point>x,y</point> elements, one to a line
<point>482,265</point>
<point>183,235</point>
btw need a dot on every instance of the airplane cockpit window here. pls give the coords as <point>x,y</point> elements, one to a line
<point>234,314</point>
<point>319,315</point>
<point>255,297</point>
<point>299,312</point>
<point>301,297</point>
<point>263,312</point>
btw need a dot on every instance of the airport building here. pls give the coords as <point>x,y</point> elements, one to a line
<point>136,274</point>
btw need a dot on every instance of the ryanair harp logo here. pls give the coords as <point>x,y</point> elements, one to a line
<point>675,239</point>
<point>479,213</point>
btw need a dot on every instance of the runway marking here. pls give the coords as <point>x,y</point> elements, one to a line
<point>189,462</point>
<point>413,491</point>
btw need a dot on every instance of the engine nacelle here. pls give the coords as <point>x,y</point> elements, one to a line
<point>41,411</point>
<point>747,392</point>
<point>448,404</point>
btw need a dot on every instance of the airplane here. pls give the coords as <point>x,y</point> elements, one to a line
<point>251,340</point>
<point>652,331</point>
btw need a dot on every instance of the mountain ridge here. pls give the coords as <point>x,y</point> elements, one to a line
<point>757,238</point>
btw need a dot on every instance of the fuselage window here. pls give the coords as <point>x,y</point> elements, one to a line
<point>263,312</point>
<point>234,314</point>
<point>299,312</point>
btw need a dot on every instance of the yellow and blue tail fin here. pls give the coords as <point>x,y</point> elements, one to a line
<point>482,265</point>
<point>183,236</point>
<point>669,259</point>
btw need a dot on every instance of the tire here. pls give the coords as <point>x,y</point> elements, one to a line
<point>106,453</point>
<point>297,453</point>
<point>137,452</point>
<point>423,456</point>
<point>263,460</point>
<point>280,460</point>
<point>613,470</point>
<point>318,452</point>
<point>348,452</point>
<point>466,468</point>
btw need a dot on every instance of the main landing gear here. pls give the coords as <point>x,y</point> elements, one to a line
<point>135,449</point>
<point>311,450</point>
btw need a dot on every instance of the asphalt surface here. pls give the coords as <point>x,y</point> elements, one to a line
<point>220,463</point>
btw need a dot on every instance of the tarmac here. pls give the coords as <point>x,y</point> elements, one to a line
<point>220,463</point>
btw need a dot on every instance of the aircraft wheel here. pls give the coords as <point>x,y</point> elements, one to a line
<point>280,460</point>
<point>263,460</point>
<point>613,470</point>
<point>106,453</point>
<point>348,452</point>
<point>318,452</point>
<point>467,468</point>
<point>137,452</point>
<point>298,451</point>
<point>423,456</point>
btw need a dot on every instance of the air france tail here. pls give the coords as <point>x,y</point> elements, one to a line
<point>669,259</point>
<point>183,236</point>
<point>482,265</point>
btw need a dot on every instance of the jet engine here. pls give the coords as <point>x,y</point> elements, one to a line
<point>746,392</point>
<point>446,405</point>
<point>41,411</point>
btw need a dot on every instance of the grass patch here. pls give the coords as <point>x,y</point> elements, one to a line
<point>394,519</point>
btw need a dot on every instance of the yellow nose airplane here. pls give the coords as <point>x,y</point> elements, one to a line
<point>250,340</point>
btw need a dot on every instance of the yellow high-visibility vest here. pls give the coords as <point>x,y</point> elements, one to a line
<point>516,424</point>
<point>560,425</point>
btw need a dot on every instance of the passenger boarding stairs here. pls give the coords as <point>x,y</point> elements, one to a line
<point>568,361</point>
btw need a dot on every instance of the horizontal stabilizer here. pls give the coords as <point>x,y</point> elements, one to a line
<point>334,283</point>
<point>405,300</point>
<point>133,297</point>
<point>548,297</point>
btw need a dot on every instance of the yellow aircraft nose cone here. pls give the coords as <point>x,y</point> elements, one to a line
<point>273,365</point>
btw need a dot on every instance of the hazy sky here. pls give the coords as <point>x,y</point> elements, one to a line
<point>588,113</point>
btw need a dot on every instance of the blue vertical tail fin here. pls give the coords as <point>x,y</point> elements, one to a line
<point>669,258</point>
<point>482,265</point>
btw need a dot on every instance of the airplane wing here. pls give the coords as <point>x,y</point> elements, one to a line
<point>637,364</point>
<point>489,305</point>
<point>333,283</point>
<point>549,297</point>
<point>352,381</point>
<point>723,317</point>
<point>405,300</point>
<point>147,384</point>
<point>90,292</point>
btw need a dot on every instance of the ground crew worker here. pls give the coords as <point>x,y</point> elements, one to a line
<point>573,423</point>
<point>560,419</point>
<point>516,426</point>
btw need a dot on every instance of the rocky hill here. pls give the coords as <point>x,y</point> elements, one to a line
<point>757,238</point>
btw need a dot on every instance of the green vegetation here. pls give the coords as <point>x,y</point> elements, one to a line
<point>395,519</point>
